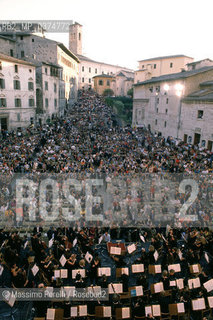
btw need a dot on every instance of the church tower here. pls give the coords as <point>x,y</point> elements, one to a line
<point>75,38</point>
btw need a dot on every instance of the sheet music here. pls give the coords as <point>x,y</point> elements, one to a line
<point>88,257</point>
<point>198,304</point>
<point>57,273</point>
<point>115,250</point>
<point>100,239</point>
<point>180,284</point>
<point>156,312</point>
<point>158,268</point>
<point>104,271</point>
<point>172,283</point>
<point>125,271</point>
<point>107,312</point>
<point>50,314</point>
<point>158,287</point>
<point>180,307</point>
<point>142,238</point>
<point>195,268</point>
<point>74,311</point>
<point>156,255</point>
<point>194,283</point>
<point>74,242</point>
<point>210,301</point>
<point>125,313</point>
<point>175,267</point>
<point>148,311</point>
<point>50,243</point>
<point>82,310</point>
<point>81,271</point>
<point>35,270</point>
<point>64,273</point>
<point>208,285</point>
<point>206,257</point>
<point>136,268</point>
<point>118,288</point>
<point>139,291</point>
<point>11,300</point>
<point>63,260</point>
<point>131,248</point>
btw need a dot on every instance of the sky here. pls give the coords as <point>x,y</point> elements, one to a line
<point>122,32</point>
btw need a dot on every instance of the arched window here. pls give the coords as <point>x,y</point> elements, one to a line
<point>79,36</point>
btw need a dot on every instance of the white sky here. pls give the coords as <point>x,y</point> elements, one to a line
<point>123,32</point>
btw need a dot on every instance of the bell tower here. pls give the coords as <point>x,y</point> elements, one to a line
<point>75,38</point>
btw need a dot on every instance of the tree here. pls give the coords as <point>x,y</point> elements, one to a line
<point>130,92</point>
<point>108,93</point>
<point>119,106</point>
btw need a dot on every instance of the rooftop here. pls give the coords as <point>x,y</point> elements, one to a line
<point>202,95</point>
<point>196,62</point>
<point>104,76</point>
<point>167,57</point>
<point>84,58</point>
<point>175,76</point>
<point>15,60</point>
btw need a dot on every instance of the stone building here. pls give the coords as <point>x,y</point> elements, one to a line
<point>167,106</point>
<point>17,93</point>
<point>89,68</point>
<point>103,82</point>
<point>155,67</point>
<point>36,48</point>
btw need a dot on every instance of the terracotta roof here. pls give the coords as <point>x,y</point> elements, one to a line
<point>15,60</point>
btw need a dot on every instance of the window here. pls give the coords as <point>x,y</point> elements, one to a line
<point>102,72</point>
<point>16,84</point>
<point>156,121</point>
<point>0,65</point>
<point>157,100</point>
<point>45,70</point>
<point>31,102</point>
<point>89,69</point>
<point>200,114</point>
<point>31,120</point>
<point>55,87</point>
<point>30,85</point>
<point>166,111</point>
<point>142,66</point>
<point>82,79</point>
<point>157,110</point>
<point>3,102</point>
<point>96,70</point>
<point>79,36</point>
<point>21,37</point>
<point>164,124</point>
<point>30,70</point>
<point>108,83</point>
<point>17,103</point>
<point>154,66</point>
<point>16,68</point>
<point>22,54</point>
<point>171,64</point>
<point>100,82</point>
<point>167,100</point>
<point>2,84</point>
<point>32,40</point>
<point>46,85</point>
<point>83,68</point>
<point>46,102</point>
<point>89,80</point>
<point>203,143</point>
<point>55,103</point>
<point>11,52</point>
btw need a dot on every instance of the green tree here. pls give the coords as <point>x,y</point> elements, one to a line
<point>108,93</point>
<point>119,107</point>
<point>130,92</point>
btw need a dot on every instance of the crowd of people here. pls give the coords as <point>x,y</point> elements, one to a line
<point>152,187</point>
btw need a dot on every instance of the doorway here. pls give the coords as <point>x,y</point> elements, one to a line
<point>210,144</point>
<point>4,124</point>
<point>185,138</point>
<point>196,138</point>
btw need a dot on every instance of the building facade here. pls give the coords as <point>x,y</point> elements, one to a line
<point>17,93</point>
<point>156,67</point>
<point>160,105</point>
<point>89,68</point>
<point>103,82</point>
